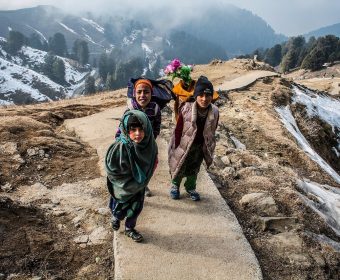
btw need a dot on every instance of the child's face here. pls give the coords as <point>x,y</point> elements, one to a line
<point>204,100</point>
<point>143,95</point>
<point>136,134</point>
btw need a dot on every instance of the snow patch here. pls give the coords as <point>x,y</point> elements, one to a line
<point>237,143</point>
<point>146,48</point>
<point>68,28</point>
<point>94,25</point>
<point>11,84</point>
<point>324,200</point>
<point>324,107</point>
<point>37,31</point>
<point>288,120</point>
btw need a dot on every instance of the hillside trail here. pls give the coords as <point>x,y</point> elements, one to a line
<point>246,80</point>
<point>183,239</point>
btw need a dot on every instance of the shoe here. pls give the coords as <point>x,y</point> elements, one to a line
<point>195,196</point>
<point>174,192</point>
<point>148,193</point>
<point>134,235</point>
<point>115,223</point>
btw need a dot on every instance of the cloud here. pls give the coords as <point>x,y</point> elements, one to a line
<point>290,17</point>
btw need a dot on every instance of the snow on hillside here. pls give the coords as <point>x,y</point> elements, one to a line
<point>324,200</point>
<point>16,79</point>
<point>37,31</point>
<point>68,28</point>
<point>128,40</point>
<point>20,76</point>
<point>323,107</point>
<point>36,57</point>
<point>94,25</point>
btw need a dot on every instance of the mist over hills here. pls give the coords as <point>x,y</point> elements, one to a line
<point>333,29</point>
<point>234,30</point>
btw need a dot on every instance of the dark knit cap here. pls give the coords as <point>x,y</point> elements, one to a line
<point>203,85</point>
<point>133,121</point>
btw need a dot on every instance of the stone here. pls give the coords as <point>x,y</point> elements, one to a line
<point>226,160</point>
<point>103,211</point>
<point>287,241</point>
<point>32,152</point>
<point>218,162</point>
<point>19,159</point>
<point>41,153</point>
<point>58,213</point>
<point>40,167</point>
<point>276,224</point>
<point>61,226</point>
<point>228,173</point>
<point>55,201</point>
<point>81,239</point>
<point>47,206</point>
<point>99,236</point>
<point>299,259</point>
<point>7,187</point>
<point>9,148</point>
<point>263,203</point>
<point>36,278</point>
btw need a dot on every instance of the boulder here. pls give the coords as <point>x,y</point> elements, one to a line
<point>228,173</point>
<point>276,224</point>
<point>226,161</point>
<point>262,203</point>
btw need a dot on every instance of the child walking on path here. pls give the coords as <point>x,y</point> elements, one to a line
<point>193,139</point>
<point>141,101</point>
<point>130,162</point>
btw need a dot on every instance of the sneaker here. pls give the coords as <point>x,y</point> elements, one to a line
<point>148,193</point>
<point>134,235</point>
<point>195,196</point>
<point>174,192</point>
<point>115,223</point>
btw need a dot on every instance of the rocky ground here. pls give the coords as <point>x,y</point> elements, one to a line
<point>53,220</point>
<point>54,217</point>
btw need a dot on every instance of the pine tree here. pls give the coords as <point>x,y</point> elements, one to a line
<point>274,55</point>
<point>102,66</point>
<point>35,42</point>
<point>90,87</point>
<point>81,51</point>
<point>58,71</point>
<point>57,44</point>
<point>15,41</point>
<point>48,65</point>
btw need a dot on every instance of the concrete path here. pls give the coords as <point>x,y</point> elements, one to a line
<point>183,239</point>
<point>335,87</point>
<point>245,80</point>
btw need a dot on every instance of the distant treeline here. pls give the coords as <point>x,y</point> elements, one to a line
<point>299,53</point>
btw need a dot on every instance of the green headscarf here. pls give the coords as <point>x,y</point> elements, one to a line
<point>129,165</point>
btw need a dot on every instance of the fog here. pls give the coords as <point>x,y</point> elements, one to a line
<point>290,17</point>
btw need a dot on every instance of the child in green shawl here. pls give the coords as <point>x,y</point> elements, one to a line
<point>130,162</point>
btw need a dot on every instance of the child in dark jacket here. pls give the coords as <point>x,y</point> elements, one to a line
<point>193,139</point>
<point>130,162</point>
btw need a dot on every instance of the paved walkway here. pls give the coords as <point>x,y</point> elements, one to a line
<point>183,239</point>
<point>245,80</point>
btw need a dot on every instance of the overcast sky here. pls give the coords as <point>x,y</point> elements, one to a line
<point>290,17</point>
